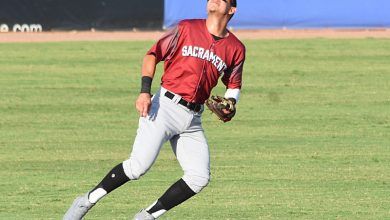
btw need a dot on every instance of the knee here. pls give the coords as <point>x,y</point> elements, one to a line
<point>196,182</point>
<point>134,169</point>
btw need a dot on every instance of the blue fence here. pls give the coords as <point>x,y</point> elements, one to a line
<point>254,14</point>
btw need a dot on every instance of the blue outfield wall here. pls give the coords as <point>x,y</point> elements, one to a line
<point>269,14</point>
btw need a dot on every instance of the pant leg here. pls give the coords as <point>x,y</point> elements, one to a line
<point>192,152</point>
<point>152,133</point>
<point>164,120</point>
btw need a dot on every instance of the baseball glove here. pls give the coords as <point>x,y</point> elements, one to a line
<point>222,107</point>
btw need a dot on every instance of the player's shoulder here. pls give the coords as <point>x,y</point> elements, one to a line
<point>236,42</point>
<point>191,22</point>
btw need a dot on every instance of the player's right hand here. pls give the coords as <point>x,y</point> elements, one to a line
<point>143,104</point>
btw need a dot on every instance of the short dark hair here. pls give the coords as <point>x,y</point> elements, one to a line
<point>233,3</point>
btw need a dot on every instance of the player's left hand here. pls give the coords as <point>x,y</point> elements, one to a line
<point>224,108</point>
<point>143,104</point>
<point>226,111</point>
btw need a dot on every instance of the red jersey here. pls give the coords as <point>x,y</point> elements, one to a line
<point>194,60</point>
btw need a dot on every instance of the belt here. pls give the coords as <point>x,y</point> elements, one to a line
<point>190,105</point>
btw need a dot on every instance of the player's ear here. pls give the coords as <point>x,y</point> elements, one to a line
<point>232,10</point>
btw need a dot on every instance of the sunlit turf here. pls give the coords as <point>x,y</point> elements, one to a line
<point>311,138</point>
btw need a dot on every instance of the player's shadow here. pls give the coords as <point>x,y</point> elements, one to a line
<point>152,115</point>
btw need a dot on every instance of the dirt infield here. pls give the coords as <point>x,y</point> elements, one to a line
<point>153,35</point>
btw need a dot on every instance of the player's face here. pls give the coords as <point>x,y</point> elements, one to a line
<point>223,7</point>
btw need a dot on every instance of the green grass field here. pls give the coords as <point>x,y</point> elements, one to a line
<point>311,139</point>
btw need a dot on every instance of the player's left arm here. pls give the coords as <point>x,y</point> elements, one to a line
<point>232,77</point>
<point>233,81</point>
<point>225,107</point>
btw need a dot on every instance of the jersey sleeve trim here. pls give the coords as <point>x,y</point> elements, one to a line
<point>233,79</point>
<point>166,45</point>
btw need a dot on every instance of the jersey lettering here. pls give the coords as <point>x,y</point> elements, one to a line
<point>195,52</point>
<point>203,54</point>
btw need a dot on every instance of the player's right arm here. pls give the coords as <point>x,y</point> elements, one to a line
<point>144,99</point>
<point>160,51</point>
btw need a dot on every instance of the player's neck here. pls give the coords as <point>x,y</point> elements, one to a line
<point>217,26</point>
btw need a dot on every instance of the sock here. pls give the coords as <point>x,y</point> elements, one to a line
<point>175,195</point>
<point>114,179</point>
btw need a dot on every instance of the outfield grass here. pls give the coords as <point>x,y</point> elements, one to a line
<point>311,139</point>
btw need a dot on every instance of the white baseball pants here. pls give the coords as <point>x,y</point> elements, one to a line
<point>168,120</point>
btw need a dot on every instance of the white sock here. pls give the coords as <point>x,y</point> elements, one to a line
<point>158,213</point>
<point>96,195</point>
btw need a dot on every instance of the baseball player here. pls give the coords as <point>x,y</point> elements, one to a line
<point>196,53</point>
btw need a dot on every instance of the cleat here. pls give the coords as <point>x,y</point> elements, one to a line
<point>79,208</point>
<point>143,215</point>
